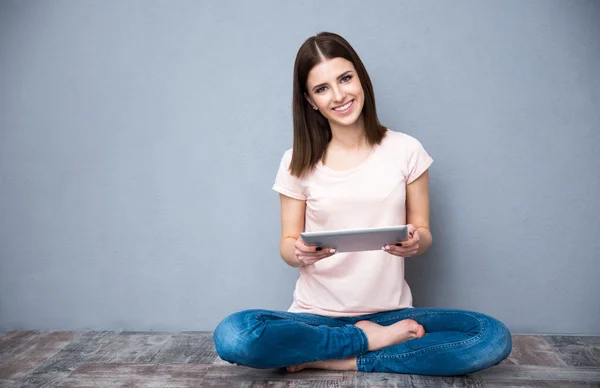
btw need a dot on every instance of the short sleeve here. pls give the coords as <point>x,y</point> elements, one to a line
<point>286,183</point>
<point>417,159</point>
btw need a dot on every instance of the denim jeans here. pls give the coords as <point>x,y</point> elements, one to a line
<point>456,342</point>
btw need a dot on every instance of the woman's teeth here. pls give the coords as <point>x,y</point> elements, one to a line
<point>344,107</point>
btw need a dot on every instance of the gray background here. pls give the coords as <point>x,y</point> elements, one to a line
<point>139,142</point>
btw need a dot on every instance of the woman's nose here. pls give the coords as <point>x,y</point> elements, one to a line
<point>338,94</point>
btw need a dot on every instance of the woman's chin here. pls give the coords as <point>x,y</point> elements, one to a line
<point>348,122</point>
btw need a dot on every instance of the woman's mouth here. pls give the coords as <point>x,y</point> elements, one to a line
<point>344,108</point>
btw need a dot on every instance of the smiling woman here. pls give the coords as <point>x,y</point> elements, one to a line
<point>329,75</point>
<point>338,95</point>
<point>353,310</point>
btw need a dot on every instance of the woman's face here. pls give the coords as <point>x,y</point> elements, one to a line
<point>334,84</point>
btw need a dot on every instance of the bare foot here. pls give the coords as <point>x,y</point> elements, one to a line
<point>346,364</point>
<point>383,336</point>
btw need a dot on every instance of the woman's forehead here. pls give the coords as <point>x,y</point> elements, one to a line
<point>328,71</point>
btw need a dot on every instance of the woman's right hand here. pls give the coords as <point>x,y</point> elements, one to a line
<point>310,254</point>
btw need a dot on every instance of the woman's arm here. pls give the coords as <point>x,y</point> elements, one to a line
<point>292,248</point>
<point>292,224</point>
<point>417,209</point>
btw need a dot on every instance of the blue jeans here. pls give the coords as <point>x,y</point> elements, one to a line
<point>456,342</point>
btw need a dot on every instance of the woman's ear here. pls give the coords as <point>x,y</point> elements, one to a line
<point>309,101</point>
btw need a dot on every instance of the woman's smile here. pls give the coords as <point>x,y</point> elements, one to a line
<point>344,108</point>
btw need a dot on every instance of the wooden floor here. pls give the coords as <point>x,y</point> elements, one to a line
<point>188,359</point>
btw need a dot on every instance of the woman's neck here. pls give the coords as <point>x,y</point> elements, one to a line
<point>350,138</point>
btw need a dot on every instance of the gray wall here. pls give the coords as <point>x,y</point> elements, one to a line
<point>139,142</point>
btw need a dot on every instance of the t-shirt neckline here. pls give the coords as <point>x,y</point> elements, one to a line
<point>329,170</point>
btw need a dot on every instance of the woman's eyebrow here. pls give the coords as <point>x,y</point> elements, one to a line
<point>338,77</point>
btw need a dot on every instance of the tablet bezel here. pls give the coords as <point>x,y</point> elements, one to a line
<point>357,240</point>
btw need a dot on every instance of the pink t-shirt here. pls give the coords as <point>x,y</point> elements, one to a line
<point>369,195</point>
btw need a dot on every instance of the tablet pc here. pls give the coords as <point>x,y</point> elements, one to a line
<point>356,240</point>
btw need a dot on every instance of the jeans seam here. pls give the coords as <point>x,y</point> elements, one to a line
<point>364,347</point>
<point>362,335</point>
<point>297,318</point>
<point>362,360</point>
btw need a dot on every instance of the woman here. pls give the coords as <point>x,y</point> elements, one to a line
<point>353,311</point>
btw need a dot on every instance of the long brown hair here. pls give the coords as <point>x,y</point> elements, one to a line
<point>312,132</point>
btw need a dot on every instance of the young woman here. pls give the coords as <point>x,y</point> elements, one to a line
<point>353,311</point>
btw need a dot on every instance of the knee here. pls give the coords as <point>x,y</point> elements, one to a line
<point>495,344</point>
<point>504,339</point>
<point>501,342</point>
<point>224,338</point>
<point>235,338</point>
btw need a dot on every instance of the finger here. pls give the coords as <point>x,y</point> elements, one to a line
<point>320,250</point>
<point>309,248</point>
<point>315,258</point>
<point>404,252</point>
<point>324,252</point>
<point>404,244</point>
<point>323,256</point>
<point>413,235</point>
<point>397,251</point>
<point>412,240</point>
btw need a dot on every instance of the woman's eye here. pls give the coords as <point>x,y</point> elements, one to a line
<point>349,77</point>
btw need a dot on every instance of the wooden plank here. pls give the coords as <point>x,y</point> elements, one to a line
<point>576,351</point>
<point>532,350</point>
<point>446,381</point>
<point>129,359</point>
<point>270,384</point>
<point>219,361</point>
<point>543,373</point>
<point>539,384</point>
<point>302,384</point>
<point>380,380</point>
<point>22,352</point>
<point>320,383</point>
<point>255,384</point>
<point>83,348</point>
<point>135,375</point>
<point>572,340</point>
<point>187,348</point>
<point>376,380</point>
<point>133,347</point>
<point>236,372</point>
<point>239,376</point>
<point>8,384</point>
<point>318,378</point>
<point>14,339</point>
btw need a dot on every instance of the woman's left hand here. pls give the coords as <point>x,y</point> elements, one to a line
<point>405,248</point>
